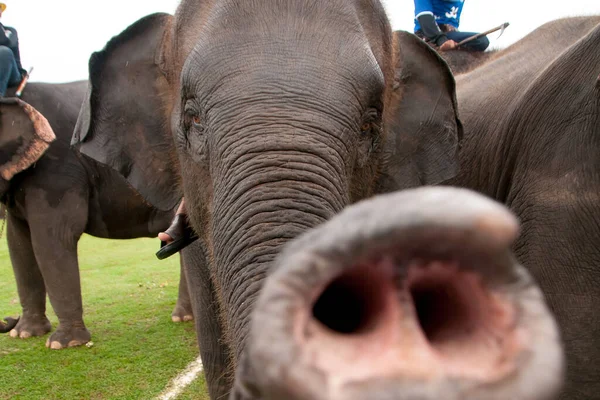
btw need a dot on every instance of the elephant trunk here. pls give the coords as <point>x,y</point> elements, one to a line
<point>4,186</point>
<point>408,295</point>
<point>7,326</point>
<point>265,198</point>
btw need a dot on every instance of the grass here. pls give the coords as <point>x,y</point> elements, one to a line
<point>128,296</point>
<point>191,392</point>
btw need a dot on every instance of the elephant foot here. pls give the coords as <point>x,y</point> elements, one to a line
<point>31,326</point>
<point>72,337</point>
<point>182,314</point>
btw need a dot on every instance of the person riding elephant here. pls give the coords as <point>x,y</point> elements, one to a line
<point>53,194</point>
<point>437,22</point>
<point>11,70</point>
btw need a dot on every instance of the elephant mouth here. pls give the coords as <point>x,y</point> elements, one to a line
<point>424,319</point>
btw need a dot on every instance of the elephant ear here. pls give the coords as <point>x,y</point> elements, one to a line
<point>123,121</point>
<point>25,135</point>
<point>423,131</point>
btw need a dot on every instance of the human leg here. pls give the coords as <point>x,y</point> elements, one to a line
<point>9,72</point>
<point>479,44</point>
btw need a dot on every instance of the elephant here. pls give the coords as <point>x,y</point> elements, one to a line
<point>270,118</point>
<point>52,198</point>
<point>531,123</point>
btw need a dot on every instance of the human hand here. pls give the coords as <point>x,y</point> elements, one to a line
<point>448,45</point>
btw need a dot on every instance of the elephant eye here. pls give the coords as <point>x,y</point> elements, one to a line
<point>193,120</point>
<point>370,123</point>
<point>191,116</point>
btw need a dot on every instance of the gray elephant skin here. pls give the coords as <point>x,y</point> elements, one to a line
<point>273,117</point>
<point>52,203</point>
<point>532,141</point>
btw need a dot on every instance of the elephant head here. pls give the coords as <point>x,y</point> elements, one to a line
<point>24,137</point>
<point>270,117</point>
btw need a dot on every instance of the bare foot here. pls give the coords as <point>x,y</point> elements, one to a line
<point>448,45</point>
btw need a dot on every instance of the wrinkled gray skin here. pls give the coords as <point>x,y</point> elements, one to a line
<point>275,115</point>
<point>51,204</point>
<point>462,61</point>
<point>532,141</point>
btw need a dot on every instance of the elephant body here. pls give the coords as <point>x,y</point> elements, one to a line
<point>273,117</point>
<point>532,130</point>
<point>52,203</point>
<point>463,61</point>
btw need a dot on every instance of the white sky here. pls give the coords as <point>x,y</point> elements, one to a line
<point>58,36</point>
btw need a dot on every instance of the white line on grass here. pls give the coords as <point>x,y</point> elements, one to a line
<point>177,384</point>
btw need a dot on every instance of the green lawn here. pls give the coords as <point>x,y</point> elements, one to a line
<point>128,296</point>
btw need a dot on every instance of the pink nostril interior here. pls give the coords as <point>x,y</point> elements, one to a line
<point>351,304</point>
<point>341,309</point>
<point>453,310</point>
<point>435,319</point>
<point>440,311</point>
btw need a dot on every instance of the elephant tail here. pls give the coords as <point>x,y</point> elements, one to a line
<point>7,326</point>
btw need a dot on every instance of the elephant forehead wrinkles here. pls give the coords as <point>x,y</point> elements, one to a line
<point>275,47</point>
<point>214,69</point>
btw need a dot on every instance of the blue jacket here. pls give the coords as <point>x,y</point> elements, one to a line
<point>10,39</point>
<point>445,11</point>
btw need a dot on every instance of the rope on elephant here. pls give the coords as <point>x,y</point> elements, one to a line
<point>181,381</point>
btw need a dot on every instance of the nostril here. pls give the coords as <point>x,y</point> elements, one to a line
<point>351,304</point>
<point>455,312</point>
<point>451,308</point>
<point>441,311</point>
<point>414,318</point>
<point>341,308</point>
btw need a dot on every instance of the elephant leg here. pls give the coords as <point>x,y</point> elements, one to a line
<point>183,308</point>
<point>30,283</point>
<point>213,351</point>
<point>55,231</point>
